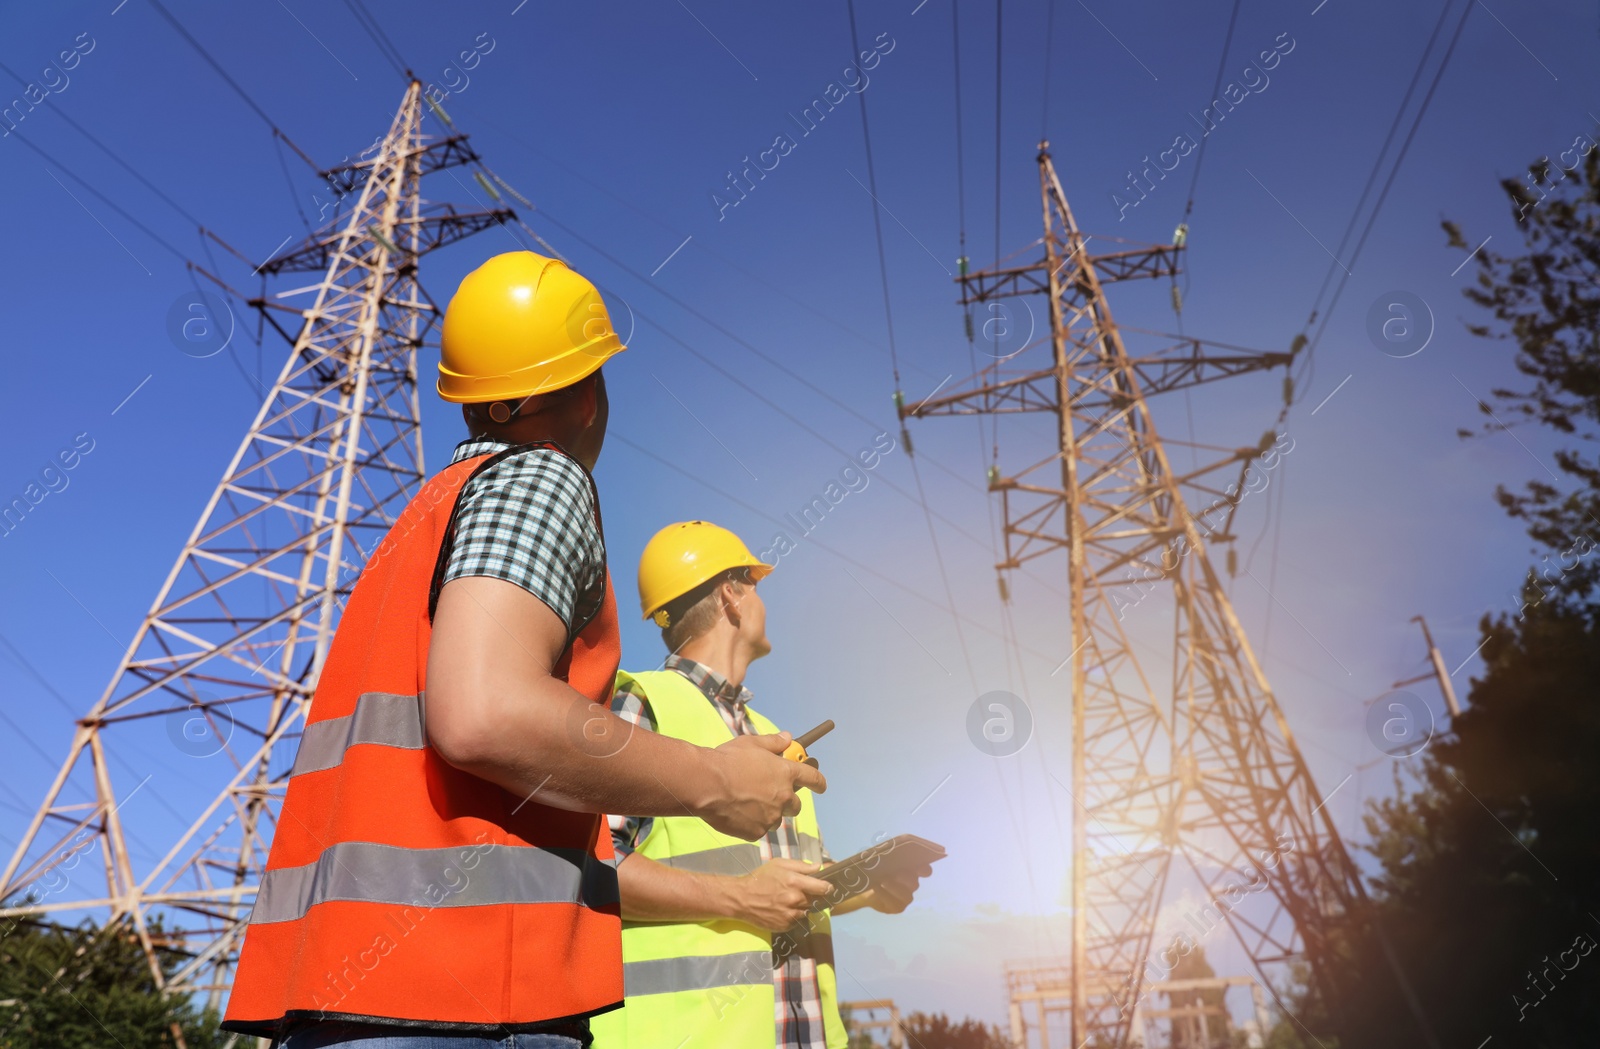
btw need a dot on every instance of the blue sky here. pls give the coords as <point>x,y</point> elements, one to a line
<point>620,127</point>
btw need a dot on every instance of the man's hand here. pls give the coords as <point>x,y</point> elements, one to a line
<point>777,894</point>
<point>757,786</point>
<point>893,895</point>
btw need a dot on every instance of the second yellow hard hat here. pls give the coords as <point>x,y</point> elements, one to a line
<point>682,556</point>
<point>522,324</point>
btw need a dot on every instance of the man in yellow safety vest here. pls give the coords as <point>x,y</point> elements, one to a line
<point>704,959</point>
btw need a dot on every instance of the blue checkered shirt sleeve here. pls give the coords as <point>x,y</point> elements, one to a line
<point>530,520</point>
<point>628,831</point>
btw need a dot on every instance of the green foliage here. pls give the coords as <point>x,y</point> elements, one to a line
<point>1488,867</point>
<point>1488,890</point>
<point>86,988</point>
<point>937,1031</point>
<point>1546,300</point>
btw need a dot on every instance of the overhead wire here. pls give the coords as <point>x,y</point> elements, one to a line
<point>877,219</point>
<point>961,167</point>
<point>712,363</point>
<point>1008,618</point>
<point>108,151</point>
<point>288,180</point>
<point>915,470</point>
<point>113,205</point>
<point>1394,171</point>
<point>1049,37</point>
<point>999,64</point>
<point>1308,370</point>
<point>1326,312</point>
<point>962,263</point>
<point>374,29</point>
<point>1377,161</point>
<point>1180,234</point>
<point>744,271</point>
<point>223,73</point>
<point>861,566</point>
<point>888,320</point>
<point>280,138</point>
<point>1222,65</point>
<point>961,217</point>
<point>883,270</point>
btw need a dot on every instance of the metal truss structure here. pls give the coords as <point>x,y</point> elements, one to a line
<point>1206,772</point>
<point>1192,1022</point>
<point>866,1018</point>
<point>229,653</point>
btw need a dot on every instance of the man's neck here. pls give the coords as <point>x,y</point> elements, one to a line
<point>721,653</point>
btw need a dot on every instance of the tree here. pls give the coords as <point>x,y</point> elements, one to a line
<point>937,1031</point>
<point>1547,301</point>
<point>87,988</point>
<point>1487,885</point>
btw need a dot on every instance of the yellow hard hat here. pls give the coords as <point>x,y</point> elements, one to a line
<point>682,556</point>
<point>522,324</point>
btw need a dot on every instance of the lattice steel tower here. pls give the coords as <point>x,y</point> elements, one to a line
<point>227,658</point>
<point>1207,773</point>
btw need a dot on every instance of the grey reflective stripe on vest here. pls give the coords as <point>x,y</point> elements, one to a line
<point>696,973</point>
<point>460,876</point>
<point>810,848</point>
<point>730,859</point>
<point>380,717</point>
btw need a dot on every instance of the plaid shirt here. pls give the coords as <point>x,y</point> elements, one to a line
<point>531,520</point>
<point>799,997</point>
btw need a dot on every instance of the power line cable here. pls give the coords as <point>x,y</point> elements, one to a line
<point>289,181</point>
<point>1222,65</point>
<point>1377,162</point>
<point>1394,172</point>
<point>830,551</point>
<point>961,213</point>
<point>888,316</point>
<point>1308,369</point>
<point>381,39</point>
<point>999,58</point>
<point>763,356</point>
<point>877,219</point>
<point>1049,36</point>
<point>883,269</point>
<point>1180,235</point>
<point>113,205</point>
<point>745,344</point>
<point>743,271</point>
<point>223,73</point>
<point>961,153</point>
<point>108,151</point>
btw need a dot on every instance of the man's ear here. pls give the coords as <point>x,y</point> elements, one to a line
<point>586,403</point>
<point>731,597</point>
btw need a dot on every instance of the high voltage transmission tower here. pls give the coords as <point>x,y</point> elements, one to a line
<point>1206,774</point>
<point>227,659</point>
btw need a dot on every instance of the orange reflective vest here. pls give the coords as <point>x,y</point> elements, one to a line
<point>399,887</point>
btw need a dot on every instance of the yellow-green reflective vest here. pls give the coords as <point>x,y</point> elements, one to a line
<point>707,985</point>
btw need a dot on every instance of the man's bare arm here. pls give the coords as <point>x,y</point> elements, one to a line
<point>494,709</point>
<point>774,896</point>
